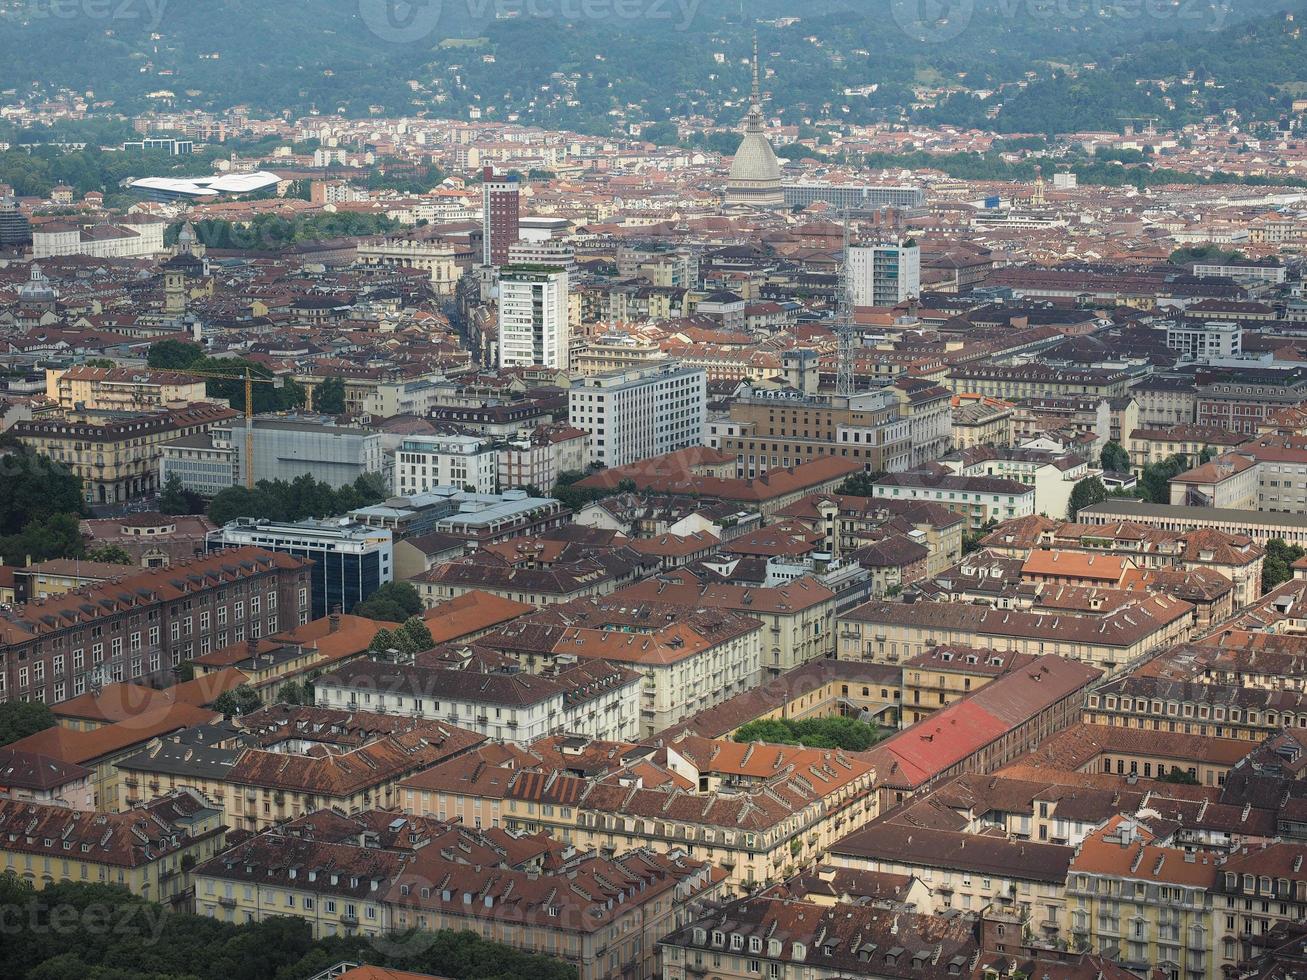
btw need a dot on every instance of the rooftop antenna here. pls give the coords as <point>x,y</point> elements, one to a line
<point>757,77</point>
<point>845,325</point>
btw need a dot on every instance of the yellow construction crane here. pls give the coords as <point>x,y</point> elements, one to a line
<point>250,382</point>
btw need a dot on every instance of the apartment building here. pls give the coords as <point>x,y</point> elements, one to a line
<point>309,758</point>
<point>770,432</point>
<point>602,914</point>
<point>1143,901</point>
<point>884,275</point>
<point>423,463</point>
<point>148,850</point>
<point>965,872</point>
<point>116,454</point>
<point>1166,400</point>
<point>927,407</point>
<point>944,675</point>
<point>1242,400</point>
<point>1222,709</point>
<point>849,523</point>
<point>1256,889</point>
<point>142,625</point>
<point>500,217</point>
<point>122,389</point>
<point>979,499</point>
<point>1052,474</point>
<point>778,937</point>
<point>36,778</point>
<point>616,352</point>
<point>534,322</point>
<point>1152,444</point>
<point>688,660</point>
<point>592,698</point>
<point>886,632</point>
<point>981,421</point>
<point>741,811</point>
<point>983,731</point>
<point>1011,383</point>
<point>317,868</point>
<point>799,618</point>
<point>533,571</point>
<point>538,457</point>
<point>1232,556</point>
<point>1205,340</point>
<point>634,415</point>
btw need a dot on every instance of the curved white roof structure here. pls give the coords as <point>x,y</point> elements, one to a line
<point>207,188</point>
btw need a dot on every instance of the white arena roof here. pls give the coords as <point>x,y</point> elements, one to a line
<point>208,187</point>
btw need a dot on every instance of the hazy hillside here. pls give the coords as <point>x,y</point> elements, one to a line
<point>841,61</point>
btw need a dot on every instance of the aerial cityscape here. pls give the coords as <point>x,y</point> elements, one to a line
<point>653,490</point>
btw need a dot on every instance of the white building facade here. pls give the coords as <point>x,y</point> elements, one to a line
<point>884,275</point>
<point>425,462</point>
<point>533,317</point>
<point>633,415</point>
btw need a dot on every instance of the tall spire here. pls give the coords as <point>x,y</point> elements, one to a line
<point>757,77</point>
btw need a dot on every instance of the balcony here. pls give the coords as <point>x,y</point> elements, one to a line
<point>349,920</point>
<point>227,903</point>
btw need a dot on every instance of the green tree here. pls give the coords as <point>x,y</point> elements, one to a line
<point>834,732</point>
<point>293,692</point>
<point>173,355</point>
<point>111,554</point>
<point>767,730</point>
<point>411,637</point>
<point>1115,459</point>
<point>1178,775</point>
<point>416,634</point>
<point>1155,483</point>
<point>172,499</point>
<point>394,602</point>
<point>240,701</point>
<point>18,719</point>
<point>859,485</point>
<point>279,500</point>
<point>34,488</point>
<point>329,397</point>
<point>1277,566</point>
<point>1088,491</point>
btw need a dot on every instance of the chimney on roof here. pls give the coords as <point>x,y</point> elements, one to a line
<point>333,621</point>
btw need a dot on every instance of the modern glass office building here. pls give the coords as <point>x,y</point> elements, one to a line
<point>350,561</point>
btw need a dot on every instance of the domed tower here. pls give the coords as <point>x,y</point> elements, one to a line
<point>188,243</point>
<point>755,180</point>
<point>37,291</point>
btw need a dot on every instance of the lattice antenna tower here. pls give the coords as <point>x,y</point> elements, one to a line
<point>846,327</point>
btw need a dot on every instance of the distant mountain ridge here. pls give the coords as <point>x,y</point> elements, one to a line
<point>841,61</point>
